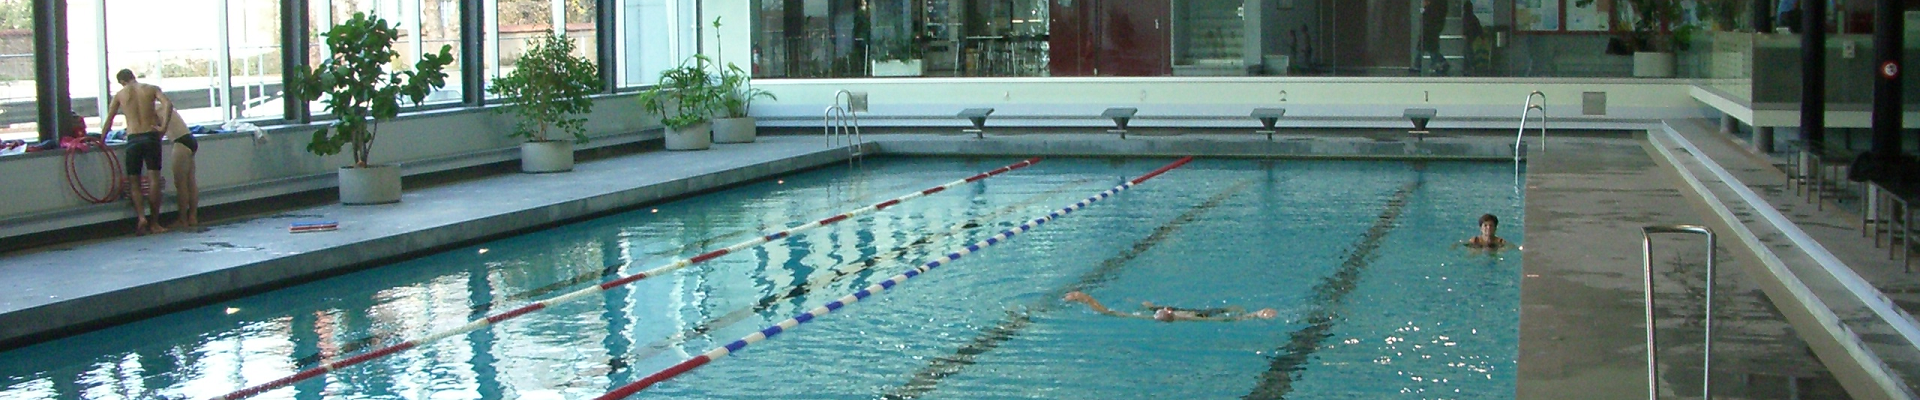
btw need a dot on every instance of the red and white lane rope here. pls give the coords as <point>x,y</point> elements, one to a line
<point>478,324</point>
<point>718,352</point>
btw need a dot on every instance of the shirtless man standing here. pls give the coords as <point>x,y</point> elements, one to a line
<point>145,124</point>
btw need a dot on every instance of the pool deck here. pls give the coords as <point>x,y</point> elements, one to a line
<point>1582,330</point>
<point>1580,326</point>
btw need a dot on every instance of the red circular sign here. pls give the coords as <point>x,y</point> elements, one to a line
<point>1889,70</point>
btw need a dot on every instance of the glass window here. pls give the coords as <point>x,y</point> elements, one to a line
<point>181,59</point>
<point>520,22</point>
<point>18,109</point>
<point>253,45</point>
<point>647,38</point>
<point>1556,38</point>
<point>425,26</point>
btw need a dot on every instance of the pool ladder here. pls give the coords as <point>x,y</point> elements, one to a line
<point>1527,108</point>
<point>1706,347</point>
<point>843,121</point>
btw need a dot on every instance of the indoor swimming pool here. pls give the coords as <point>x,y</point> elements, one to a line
<point>1374,297</point>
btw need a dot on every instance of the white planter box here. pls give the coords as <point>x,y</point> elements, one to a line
<point>375,184</point>
<point>734,130</point>
<point>1652,65</point>
<point>898,68</point>
<point>695,137</point>
<point>548,156</point>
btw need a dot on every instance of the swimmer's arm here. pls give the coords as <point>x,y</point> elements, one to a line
<point>165,108</point>
<point>113,110</point>
<point>1262,314</point>
<point>1099,308</point>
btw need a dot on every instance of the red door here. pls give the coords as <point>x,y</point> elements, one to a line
<point>1137,40</point>
<point>1070,38</point>
<point>1110,38</point>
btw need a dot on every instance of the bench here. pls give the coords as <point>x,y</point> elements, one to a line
<point>979,118</point>
<point>1120,115</point>
<point>1268,118</point>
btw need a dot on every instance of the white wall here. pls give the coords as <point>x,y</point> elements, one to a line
<point>1179,101</point>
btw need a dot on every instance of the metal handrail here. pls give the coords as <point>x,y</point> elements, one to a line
<point>1525,109</point>
<point>1706,349</point>
<point>842,122</point>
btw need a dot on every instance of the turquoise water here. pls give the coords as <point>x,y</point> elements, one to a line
<point>1374,301</point>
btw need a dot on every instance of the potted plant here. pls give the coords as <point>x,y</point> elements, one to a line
<point>898,57</point>
<point>685,98</point>
<point>548,88</point>
<point>736,96</point>
<point>356,86</point>
<point>1650,30</point>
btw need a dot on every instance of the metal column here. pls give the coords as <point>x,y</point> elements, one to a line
<point>51,91</point>
<point>473,63</point>
<point>607,40</point>
<point>293,55</point>
<point>1813,79</point>
<point>1888,25</point>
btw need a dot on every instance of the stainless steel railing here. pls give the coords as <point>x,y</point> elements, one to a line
<point>1527,108</point>
<point>1706,349</point>
<point>843,121</point>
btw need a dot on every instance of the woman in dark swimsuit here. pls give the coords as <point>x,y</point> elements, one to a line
<point>187,188</point>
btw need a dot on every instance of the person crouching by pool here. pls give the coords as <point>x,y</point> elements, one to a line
<point>1487,240</point>
<point>1171,314</point>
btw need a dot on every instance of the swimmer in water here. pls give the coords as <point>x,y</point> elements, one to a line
<point>1170,314</point>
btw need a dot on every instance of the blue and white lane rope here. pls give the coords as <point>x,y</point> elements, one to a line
<point>327,367</point>
<point>704,358</point>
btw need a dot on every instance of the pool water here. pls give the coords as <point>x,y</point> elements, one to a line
<point>1374,298</point>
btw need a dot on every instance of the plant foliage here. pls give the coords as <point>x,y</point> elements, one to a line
<point>736,94</point>
<point>1656,25</point>
<point>686,95</point>
<point>549,87</point>
<point>357,88</point>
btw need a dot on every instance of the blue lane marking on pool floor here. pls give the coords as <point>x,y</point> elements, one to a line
<point>928,378</point>
<point>1291,357</point>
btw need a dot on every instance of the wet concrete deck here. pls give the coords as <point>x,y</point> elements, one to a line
<point>1582,330</point>
<point>1581,333</point>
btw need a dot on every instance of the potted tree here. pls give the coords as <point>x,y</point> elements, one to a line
<point>898,57</point>
<point>548,88</point>
<point>685,98</point>
<point>736,96</point>
<point>1650,30</point>
<point>356,86</point>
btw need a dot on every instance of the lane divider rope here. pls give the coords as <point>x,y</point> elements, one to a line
<point>478,324</point>
<point>718,352</point>
<point>835,275</point>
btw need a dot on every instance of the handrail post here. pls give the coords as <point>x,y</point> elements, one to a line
<point>1706,349</point>
<point>1527,108</point>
